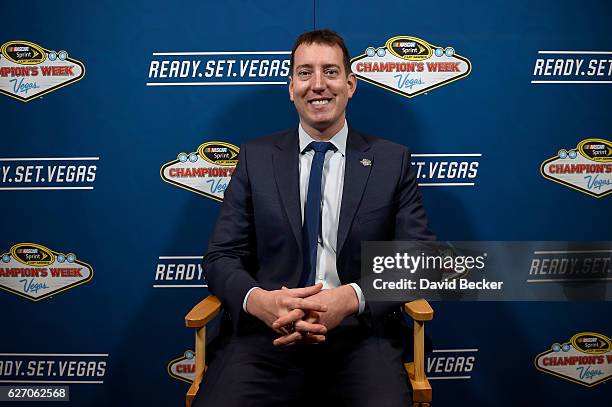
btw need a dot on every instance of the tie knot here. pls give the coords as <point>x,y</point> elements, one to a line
<point>321,146</point>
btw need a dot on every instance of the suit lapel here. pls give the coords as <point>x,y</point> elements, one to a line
<point>356,176</point>
<point>286,174</point>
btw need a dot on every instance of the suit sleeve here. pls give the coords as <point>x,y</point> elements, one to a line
<point>230,258</point>
<point>411,219</point>
<point>410,224</point>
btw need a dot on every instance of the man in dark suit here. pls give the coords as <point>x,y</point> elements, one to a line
<point>284,257</point>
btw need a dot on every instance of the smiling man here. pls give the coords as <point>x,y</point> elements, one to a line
<point>320,87</point>
<point>284,257</point>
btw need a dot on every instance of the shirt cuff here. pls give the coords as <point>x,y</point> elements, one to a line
<point>360,297</point>
<point>246,297</point>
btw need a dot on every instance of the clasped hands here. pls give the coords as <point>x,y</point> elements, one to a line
<point>302,315</point>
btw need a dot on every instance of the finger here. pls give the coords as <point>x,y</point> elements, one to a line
<point>311,338</point>
<point>304,304</point>
<point>306,291</point>
<point>288,318</point>
<point>282,331</point>
<point>287,339</point>
<point>312,317</point>
<point>303,326</point>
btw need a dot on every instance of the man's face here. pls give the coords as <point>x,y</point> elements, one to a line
<point>320,88</point>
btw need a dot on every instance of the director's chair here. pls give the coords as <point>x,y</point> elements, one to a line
<point>419,310</point>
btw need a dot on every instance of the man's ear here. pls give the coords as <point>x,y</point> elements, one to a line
<point>351,82</point>
<point>290,88</point>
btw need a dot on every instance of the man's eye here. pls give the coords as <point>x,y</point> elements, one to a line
<point>331,72</point>
<point>303,74</point>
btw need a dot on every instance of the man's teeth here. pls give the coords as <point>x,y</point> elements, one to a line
<point>320,102</point>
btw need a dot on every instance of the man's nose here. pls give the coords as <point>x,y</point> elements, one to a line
<point>318,82</point>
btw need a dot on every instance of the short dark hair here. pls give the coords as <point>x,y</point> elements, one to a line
<point>326,37</point>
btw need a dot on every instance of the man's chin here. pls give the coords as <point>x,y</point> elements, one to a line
<point>321,124</point>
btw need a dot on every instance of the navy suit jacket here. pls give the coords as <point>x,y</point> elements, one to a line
<point>257,240</point>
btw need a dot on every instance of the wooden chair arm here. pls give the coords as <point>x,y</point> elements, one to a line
<point>197,318</point>
<point>203,312</point>
<point>192,391</point>
<point>419,310</point>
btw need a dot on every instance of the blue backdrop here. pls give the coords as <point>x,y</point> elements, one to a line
<point>125,323</point>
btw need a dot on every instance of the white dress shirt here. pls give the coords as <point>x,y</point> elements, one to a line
<point>332,183</point>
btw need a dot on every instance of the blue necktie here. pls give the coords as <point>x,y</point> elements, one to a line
<point>312,212</point>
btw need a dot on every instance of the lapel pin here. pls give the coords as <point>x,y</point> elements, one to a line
<point>365,162</point>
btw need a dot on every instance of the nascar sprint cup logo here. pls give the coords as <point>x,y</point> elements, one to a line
<point>28,70</point>
<point>206,171</point>
<point>410,66</point>
<point>586,168</point>
<point>35,272</point>
<point>183,368</point>
<point>585,359</point>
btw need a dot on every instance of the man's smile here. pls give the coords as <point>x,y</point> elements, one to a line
<point>319,101</point>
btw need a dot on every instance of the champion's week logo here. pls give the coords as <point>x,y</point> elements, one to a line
<point>183,367</point>
<point>410,66</point>
<point>586,168</point>
<point>35,272</point>
<point>28,70</point>
<point>585,359</point>
<point>206,171</point>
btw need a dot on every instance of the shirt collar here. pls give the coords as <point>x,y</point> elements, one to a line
<point>338,140</point>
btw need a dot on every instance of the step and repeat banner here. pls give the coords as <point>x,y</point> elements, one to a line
<point>121,127</point>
